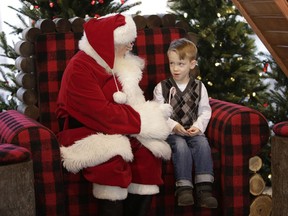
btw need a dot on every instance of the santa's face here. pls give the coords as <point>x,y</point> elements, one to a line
<point>122,49</point>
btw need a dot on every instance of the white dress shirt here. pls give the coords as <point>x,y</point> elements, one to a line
<point>204,109</point>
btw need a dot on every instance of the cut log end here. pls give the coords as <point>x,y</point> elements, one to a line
<point>255,163</point>
<point>261,206</point>
<point>256,184</point>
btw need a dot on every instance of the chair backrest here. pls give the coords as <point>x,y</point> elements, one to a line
<point>152,45</point>
<point>53,52</point>
<point>54,49</point>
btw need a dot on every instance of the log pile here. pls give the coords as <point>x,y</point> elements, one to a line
<point>26,79</point>
<point>163,20</point>
<point>262,195</point>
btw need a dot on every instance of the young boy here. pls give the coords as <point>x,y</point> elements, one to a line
<point>188,122</point>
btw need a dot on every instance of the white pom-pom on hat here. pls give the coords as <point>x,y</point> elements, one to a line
<point>120,97</point>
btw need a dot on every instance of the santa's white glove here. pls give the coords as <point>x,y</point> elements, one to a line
<point>166,109</point>
<point>153,123</point>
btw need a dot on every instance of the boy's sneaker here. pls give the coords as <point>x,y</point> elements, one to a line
<point>184,195</point>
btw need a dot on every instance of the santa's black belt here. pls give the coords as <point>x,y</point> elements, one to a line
<point>72,123</point>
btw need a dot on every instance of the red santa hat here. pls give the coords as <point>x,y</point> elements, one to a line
<point>104,32</point>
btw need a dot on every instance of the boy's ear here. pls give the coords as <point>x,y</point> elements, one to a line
<point>195,72</point>
<point>193,63</point>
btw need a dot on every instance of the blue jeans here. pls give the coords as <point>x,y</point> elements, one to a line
<point>189,152</point>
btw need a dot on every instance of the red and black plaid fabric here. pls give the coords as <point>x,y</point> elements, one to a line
<point>281,129</point>
<point>152,45</point>
<point>235,133</point>
<point>11,154</point>
<point>19,130</point>
<point>53,52</point>
<point>238,133</point>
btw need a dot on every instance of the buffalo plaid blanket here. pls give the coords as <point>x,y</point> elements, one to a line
<point>12,154</point>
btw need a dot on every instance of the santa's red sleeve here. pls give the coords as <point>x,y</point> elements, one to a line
<point>86,94</point>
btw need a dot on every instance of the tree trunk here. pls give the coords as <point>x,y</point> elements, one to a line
<point>279,161</point>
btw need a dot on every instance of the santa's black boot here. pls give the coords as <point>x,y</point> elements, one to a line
<point>204,195</point>
<point>137,205</point>
<point>110,208</point>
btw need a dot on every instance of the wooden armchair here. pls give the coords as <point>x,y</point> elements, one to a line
<point>235,133</point>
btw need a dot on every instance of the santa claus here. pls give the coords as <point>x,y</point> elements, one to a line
<point>109,131</point>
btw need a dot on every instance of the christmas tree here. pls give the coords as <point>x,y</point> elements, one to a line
<point>7,83</point>
<point>42,9</point>
<point>227,62</point>
<point>276,107</point>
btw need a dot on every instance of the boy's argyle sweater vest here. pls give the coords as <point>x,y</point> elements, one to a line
<point>185,104</point>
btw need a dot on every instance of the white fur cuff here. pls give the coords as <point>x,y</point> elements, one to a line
<point>159,148</point>
<point>142,189</point>
<point>94,150</point>
<point>153,121</point>
<point>109,192</point>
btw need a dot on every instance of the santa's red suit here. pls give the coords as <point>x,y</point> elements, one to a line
<point>110,132</point>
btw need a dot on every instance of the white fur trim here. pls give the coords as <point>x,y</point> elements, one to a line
<point>109,192</point>
<point>159,148</point>
<point>129,73</point>
<point>120,97</point>
<point>126,33</point>
<point>95,149</point>
<point>142,189</point>
<point>166,109</point>
<point>153,121</point>
<point>130,66</point>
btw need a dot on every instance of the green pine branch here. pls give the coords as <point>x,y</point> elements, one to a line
<point>68,9</point>
<point>229,66</point>
<point>9,51</point>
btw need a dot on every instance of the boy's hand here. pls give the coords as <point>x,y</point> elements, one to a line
<point>193,131</point>
<point>180,130</point>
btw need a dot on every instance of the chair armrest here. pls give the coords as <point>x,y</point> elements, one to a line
<point>281,129</point>
<point>238,133</point>
<point>18,129</point>
<point>235,125</point>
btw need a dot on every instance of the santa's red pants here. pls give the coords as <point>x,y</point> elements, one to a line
<point>144,169</point>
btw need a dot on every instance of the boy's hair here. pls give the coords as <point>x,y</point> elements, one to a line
<point>184,48</point>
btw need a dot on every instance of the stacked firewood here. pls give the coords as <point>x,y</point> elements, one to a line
<point>262,195</point>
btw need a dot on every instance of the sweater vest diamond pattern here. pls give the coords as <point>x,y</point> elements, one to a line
<point>185,104</point>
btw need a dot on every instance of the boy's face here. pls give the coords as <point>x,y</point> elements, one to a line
<point>180,68</point>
